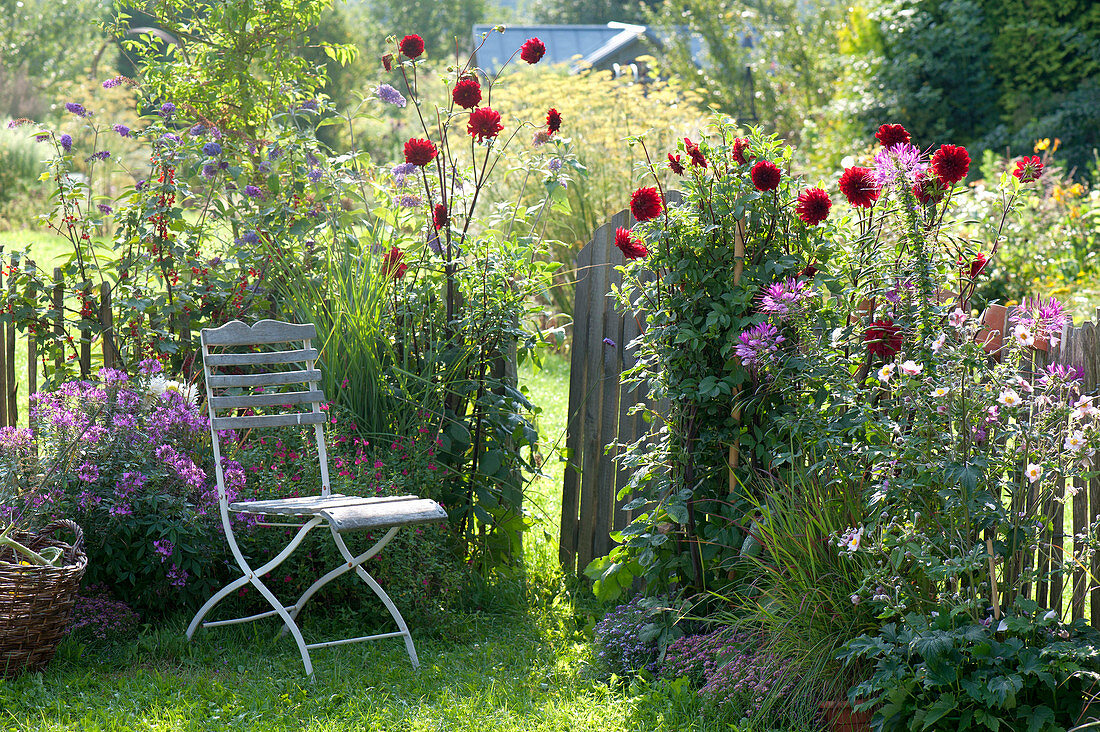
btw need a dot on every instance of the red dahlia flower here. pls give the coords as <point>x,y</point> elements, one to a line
<point>1028,169</point>
<point>892,135</point>
<point>467,93</point>
<point>928,189</point>
<point>813,206</point>
<point>675,165</point>
<point>411,46</point>
<point>694,153</point>
<point>629,245</point>
<point>392,266</point>
<point>765,176</point>
<point>532,50</point>
<point>808,271</point>
<point>645,204</point>
<point>883,338</point>
<point>859,187</point>
<point>553,121</point>
<point>484,122</point>
<point>979,263</point>
<point>951,163</point>
<point>740,147</point>
<point>419,151</point>
<point>439,216</point>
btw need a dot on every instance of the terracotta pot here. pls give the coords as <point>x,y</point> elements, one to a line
<point>840,717</point>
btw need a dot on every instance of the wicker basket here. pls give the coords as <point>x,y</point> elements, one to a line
<point>35,602</point>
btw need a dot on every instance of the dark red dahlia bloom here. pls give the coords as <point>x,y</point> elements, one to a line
<point>419,151</point>
<point>629,245</point>
<point>883,338</point>
<point>553,121</point>
<point>928,189</point>
<point>1028,169</point>
<point>675,165</point>
<point>813,206</point>
<point>694,153</point>
<point>645,204</point>
<point>892,135</point>
<point>411,46</point>
<point>740,147</point>
<point>808,271</point>
<point>532,50</point>
<point>859,187</point>
<point>392,266</point>
<point>387,62</point>
<point>467,93</point>
<point>765,176</point>
<point>976,266</point>
<point>439,216</point>
<point>951,163</point>
<point>484,122</point>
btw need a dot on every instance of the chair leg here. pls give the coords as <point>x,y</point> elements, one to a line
<point>337,572</point>
<point>253,576</point>
<point>385,598</point>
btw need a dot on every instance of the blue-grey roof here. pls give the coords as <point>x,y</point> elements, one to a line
<point>564,43</point>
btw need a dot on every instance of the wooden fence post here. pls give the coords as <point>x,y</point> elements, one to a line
<point>106,325</point>
<point>59,321</point>
<point>85,336</point>
<point>9,347</point>
<point>32,357</point>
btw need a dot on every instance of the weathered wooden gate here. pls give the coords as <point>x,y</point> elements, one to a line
<point>599,404</point>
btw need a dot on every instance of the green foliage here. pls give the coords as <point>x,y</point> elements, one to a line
<point>594,12</point>
<point>236,64</point>
<point>944,672</point>
<point>445,27</point>
<point>788,48</point>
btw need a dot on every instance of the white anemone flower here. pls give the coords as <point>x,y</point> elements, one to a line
<point>1033,472</point>
<point>911,368</point>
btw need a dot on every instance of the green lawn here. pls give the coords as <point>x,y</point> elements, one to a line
<point>526,667</point>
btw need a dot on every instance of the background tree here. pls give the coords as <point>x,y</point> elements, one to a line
<point>438,23</point>
<point>592,11</point>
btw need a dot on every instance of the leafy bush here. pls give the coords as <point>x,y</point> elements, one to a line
<point>627,637</point>
<point>945,672</point>
<point>101,622</point>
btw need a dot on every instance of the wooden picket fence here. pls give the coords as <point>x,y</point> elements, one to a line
<point>599,416</point>
<point>84,341</point>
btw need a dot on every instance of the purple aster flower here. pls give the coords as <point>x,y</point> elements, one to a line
<point>223,165</point>
<point>264,166</point>
<point>757,344</point>
<point>275,153</point>
<point>555,165</point>
<point>167,109</point>
<point>169,137</point>
<point>314,175</point>
<point>310,104</point>
<point>434,242</point>
<point>197,129</point>
<point>88,472</point>
<point>104,208</point>
<point>389,95</point>
<point>114,81</point>
<point>902,159</point>
<point>122,130</point>
<point>311,160</point>
<point>402,169</point>
<point>779,298</point>
<point>253,192</point>
<point>100,155</point>
<point>66,142</point>
<point>77,109</point>
<point>140,185</point>
<point>212,149</point>
<point>410,200</point>
<point>42,137</point>
<point>209,170</point>
<point>249,237</point>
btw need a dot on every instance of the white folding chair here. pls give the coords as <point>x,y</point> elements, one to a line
<point>232,393</point>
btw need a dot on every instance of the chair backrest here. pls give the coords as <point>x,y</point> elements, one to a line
<point>249,388</point>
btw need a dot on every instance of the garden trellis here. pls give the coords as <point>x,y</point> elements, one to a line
<point>601,415</point>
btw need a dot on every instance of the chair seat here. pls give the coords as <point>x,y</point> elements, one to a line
<point>351,513</point>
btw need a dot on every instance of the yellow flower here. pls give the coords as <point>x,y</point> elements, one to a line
<point>44,176</point>
<point>1041,145</point>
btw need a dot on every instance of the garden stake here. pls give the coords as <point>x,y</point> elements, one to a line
<point>993,581</point>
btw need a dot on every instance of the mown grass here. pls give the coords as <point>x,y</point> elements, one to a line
<point>525,665</point>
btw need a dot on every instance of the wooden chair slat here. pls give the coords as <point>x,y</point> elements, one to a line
<point>237,333</point>
<point>277,399</point>
<point>267,420</point>
<point>274,378</point>
<point>264,357</point>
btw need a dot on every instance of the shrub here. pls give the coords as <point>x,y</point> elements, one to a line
<point>627,638</point>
